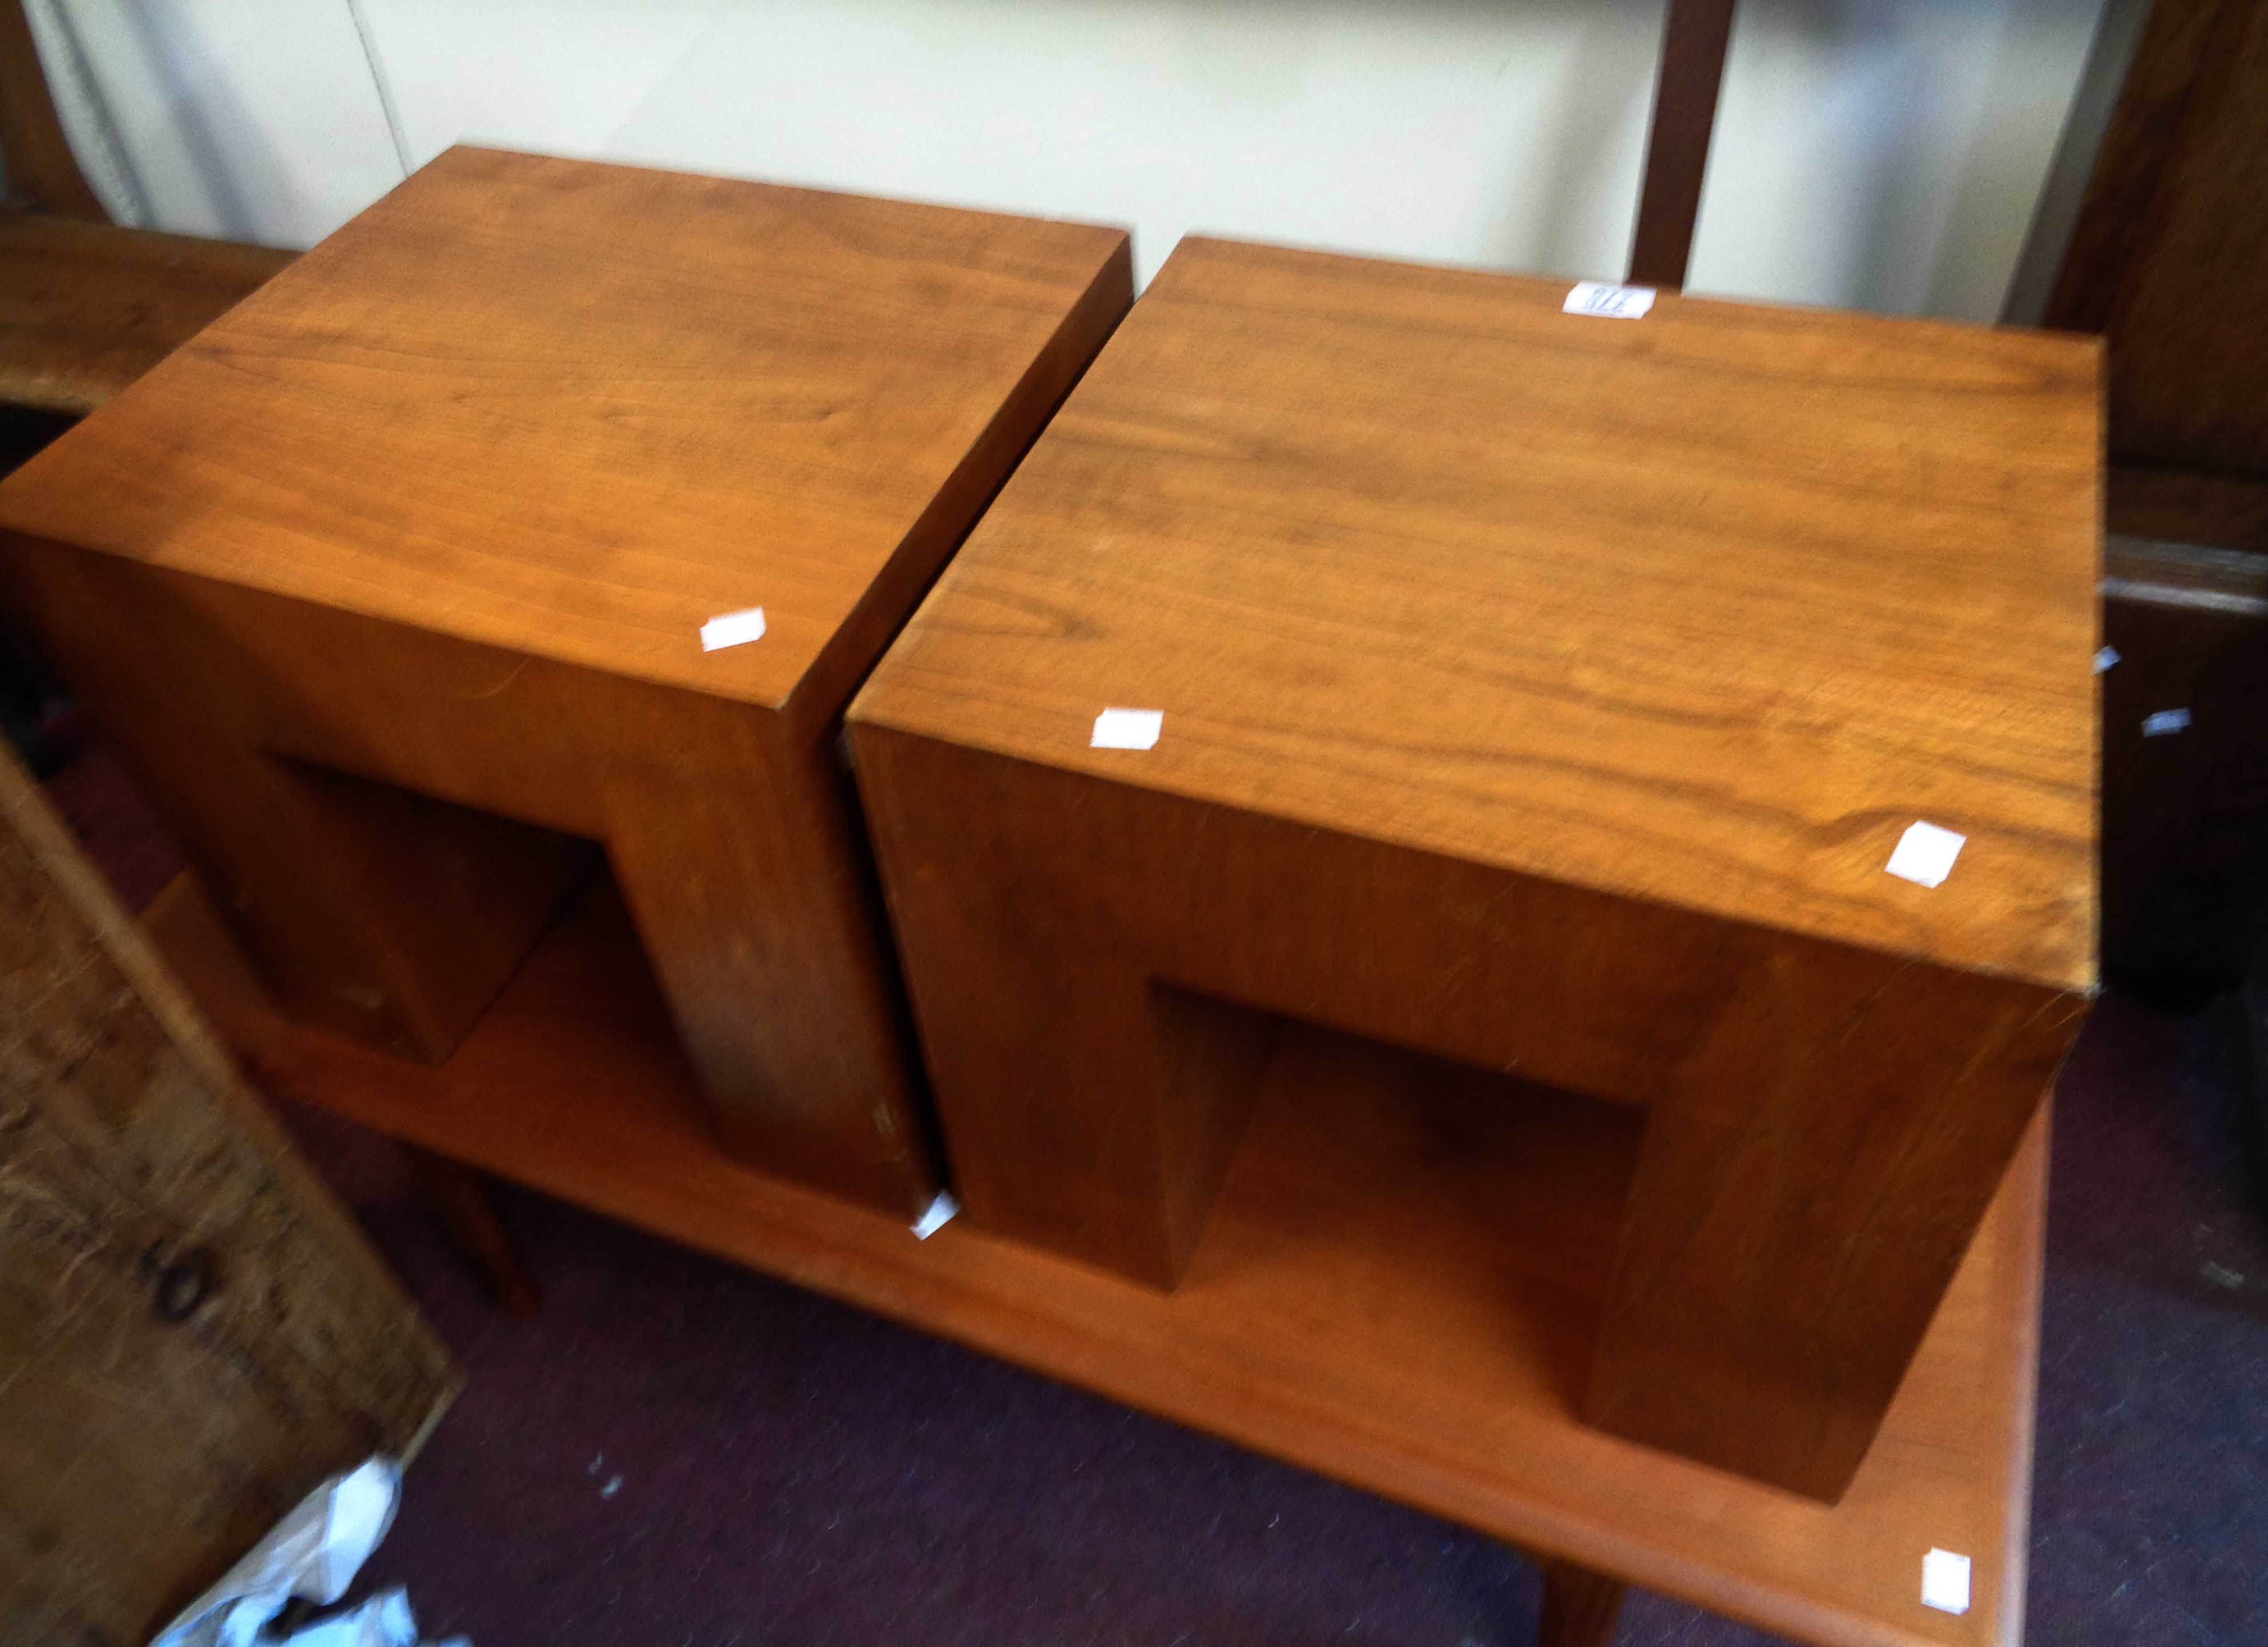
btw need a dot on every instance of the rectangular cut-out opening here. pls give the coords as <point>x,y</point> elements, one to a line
<point>1471,1209</point>
<point>383,916</point>
<point>389,915</point>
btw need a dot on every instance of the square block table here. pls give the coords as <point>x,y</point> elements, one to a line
<point>392,588</point>
<point>1550,692</point>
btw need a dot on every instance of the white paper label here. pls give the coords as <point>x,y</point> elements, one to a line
<point>2104,658</point>
<point>1618,302</point>
<point>733,629</point>
<point>1944,1581</point>
<point>1127,729</point>
<point>1924,854</point>
<point>937,1216</point>
<point>2163,722</point>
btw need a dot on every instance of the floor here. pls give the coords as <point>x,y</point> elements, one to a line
<point>677,1452</point>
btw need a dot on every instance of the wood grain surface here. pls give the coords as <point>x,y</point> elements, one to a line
<point>2189,345</point>
<point>1396,1288</point>
<point>192,1333</point>
<point>396,577</point>
<point>1548,693</point>
<point>577,410</point>
<point>391,817</point>
<point>1705,608</point>
<point>2213,507</point>
<point>2144,132</point>
<point>2170,251</point>
<point>1823,1125</point>
<point>90,307</point>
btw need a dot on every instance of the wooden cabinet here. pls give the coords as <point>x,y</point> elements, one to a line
<point>1550,693</point>
<point>394,586</point>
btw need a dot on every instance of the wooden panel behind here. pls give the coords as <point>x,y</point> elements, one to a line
<point>86,308</point>
<point>36,162</point>
<point>2144,131</point>
<point>1695,36</point>
<point>192,1335</point>
<point>2170,251</point>
<point>2214,507</point>
<point>2189,336</point>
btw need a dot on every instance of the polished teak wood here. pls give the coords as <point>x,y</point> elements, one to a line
<point>1403,1269</point>
<point>1547,692</point>
<point>390,586</point>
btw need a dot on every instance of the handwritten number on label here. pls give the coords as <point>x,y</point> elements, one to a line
<point>1618,302</point>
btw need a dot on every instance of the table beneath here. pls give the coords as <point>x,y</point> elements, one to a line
<point>1382,1293</point>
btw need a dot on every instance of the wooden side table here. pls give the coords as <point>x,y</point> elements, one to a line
<point>1383,1293</point>
<point>395,588</point>
<point>1550,692</point>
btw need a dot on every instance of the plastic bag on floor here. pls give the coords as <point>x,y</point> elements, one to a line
<point>314,1553</point>
<point>384,1621</point>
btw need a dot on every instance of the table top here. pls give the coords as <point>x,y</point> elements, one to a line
<point>1704,607</point>
<point>579,409</point>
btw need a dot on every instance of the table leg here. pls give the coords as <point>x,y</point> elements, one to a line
<point>757,916</point>
<point>1581,1607</point>
<point>460,1198</point>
